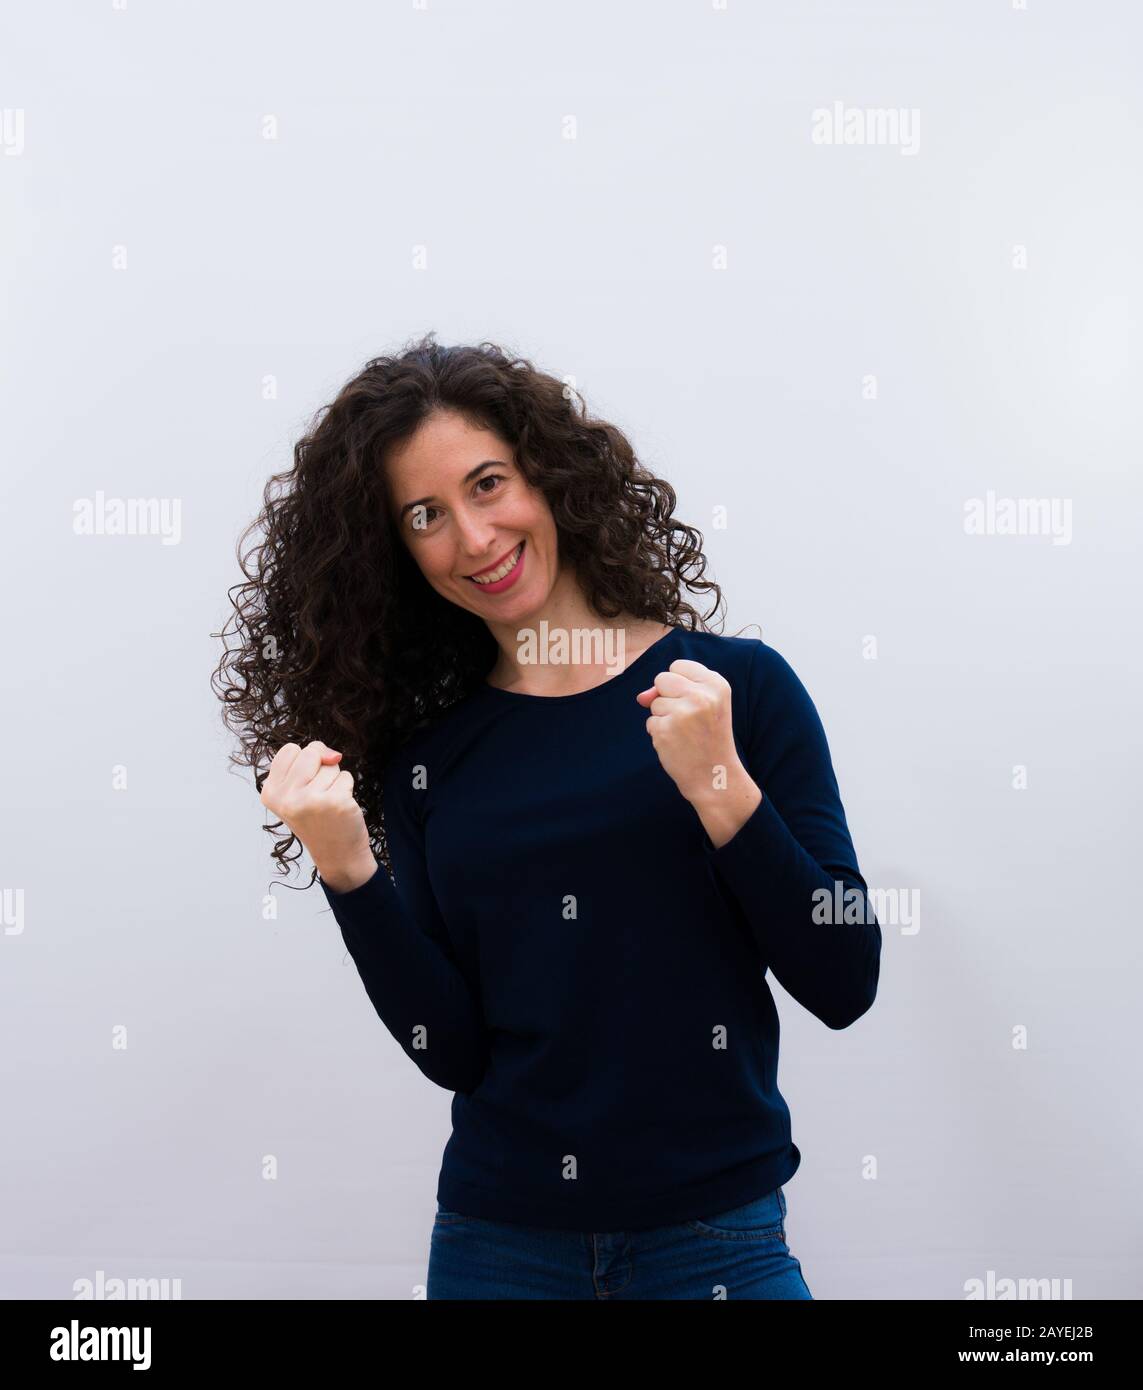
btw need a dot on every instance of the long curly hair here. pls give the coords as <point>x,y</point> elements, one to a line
<point>341,638</point>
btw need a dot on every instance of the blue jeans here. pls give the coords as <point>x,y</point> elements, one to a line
<point>740,1253</point>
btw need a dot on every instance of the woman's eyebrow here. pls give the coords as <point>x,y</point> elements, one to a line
<point>470,476</point>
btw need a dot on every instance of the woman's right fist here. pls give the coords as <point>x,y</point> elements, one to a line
<point>306,790</point>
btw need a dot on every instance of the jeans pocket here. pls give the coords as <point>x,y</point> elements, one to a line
<point>444,1217</point>
<point>762,1219</point>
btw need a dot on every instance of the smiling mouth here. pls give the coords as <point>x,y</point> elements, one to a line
<point>499,571</point>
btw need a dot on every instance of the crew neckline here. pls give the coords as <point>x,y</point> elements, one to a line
<point>645,658</point>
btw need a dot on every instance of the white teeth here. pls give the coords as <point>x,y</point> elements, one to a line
<point>506,568</point>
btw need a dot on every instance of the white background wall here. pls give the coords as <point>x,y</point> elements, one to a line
<point>292,260</point>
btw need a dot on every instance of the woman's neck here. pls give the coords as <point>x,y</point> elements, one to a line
<point>550,659</point>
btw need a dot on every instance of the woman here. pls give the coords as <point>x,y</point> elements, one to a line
<point>598,825</point>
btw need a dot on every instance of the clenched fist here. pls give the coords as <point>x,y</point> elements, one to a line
<point>693,735</point>
<point>314,797</point>
<point>690,725</point>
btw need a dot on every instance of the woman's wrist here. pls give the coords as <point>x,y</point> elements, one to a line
<point>344,878</point>
<point>725,810</point>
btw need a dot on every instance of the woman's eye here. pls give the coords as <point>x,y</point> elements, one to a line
<point>422,514</point>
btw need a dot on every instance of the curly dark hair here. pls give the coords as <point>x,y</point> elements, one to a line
<point>340,636</point>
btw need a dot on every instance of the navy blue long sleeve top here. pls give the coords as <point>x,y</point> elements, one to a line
<point>563,947</point>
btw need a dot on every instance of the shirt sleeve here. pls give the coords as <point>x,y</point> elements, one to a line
<point>400,944</point>
<point>791,867</point>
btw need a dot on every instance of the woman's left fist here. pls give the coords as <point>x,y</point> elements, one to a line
<point>691,728</point>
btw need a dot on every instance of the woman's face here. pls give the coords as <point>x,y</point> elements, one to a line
<point>463,508</point>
